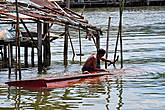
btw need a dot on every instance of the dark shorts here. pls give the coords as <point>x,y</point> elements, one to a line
<point>88,69</point>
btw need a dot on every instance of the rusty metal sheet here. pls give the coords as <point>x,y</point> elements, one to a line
<point>7,15</point>
<point>35,15</point>
<point>44,3</point>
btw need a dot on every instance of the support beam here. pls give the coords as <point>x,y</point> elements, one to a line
<point>47,52</point>
<point>32,56</point>
<point>39,31</point>
<point>66,45</point>
<point>9,59</point>
<point>26,56</point>
<point>5,56</point>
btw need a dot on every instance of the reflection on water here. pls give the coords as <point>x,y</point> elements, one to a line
<point>140,85</point>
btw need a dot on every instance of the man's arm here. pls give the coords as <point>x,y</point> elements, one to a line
<point>105,60</point>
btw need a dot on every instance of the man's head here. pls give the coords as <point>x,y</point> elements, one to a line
<point>100,52</point>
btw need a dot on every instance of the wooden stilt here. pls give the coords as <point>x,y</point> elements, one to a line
<point>5,56</point>
<point>98,46</point>
<point>71,43</point>
<point>66,45</point>
<point>32,56</point>
<point>80,44</point>
<point>26,56</point>
<point>11,50</point>
<point>121,43</point>
<point>9,57</point>
<point>47,52</point>
<point>107,44</point>
<point>39,31</point>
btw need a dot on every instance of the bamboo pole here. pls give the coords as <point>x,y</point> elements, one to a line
<point>107,44</point>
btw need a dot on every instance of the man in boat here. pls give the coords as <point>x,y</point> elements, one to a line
<point>91,63</point>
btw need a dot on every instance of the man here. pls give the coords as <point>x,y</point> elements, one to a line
<point>90,64</point>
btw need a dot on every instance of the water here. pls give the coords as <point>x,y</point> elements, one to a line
<point>140,86</point>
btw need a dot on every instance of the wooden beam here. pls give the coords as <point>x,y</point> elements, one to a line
<point>39,31</point>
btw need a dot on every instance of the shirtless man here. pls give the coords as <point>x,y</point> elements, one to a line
<point>90,64</point>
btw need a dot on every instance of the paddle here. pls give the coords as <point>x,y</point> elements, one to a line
<point>114,61</point>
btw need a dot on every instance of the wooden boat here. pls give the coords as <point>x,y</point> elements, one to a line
<point>55,81</point>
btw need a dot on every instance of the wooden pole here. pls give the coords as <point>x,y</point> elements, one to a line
<point>107,44</point>
<point>68,3</point>
<point>9,55</point>
<point>66,45</point>
<point>26,56</point>
<point>98,46</point>
<point>32,56</point>
<point>121,44</point>
<point>119,34</point>
<point>71,44</point>
<point>47,52</point>
<point>17,42</point>
<point>39,31</point>
<point>11,50</point>
<point>33,43</point>
<point>66,38</point>
<point>5,56</point>
<point>80,45</point>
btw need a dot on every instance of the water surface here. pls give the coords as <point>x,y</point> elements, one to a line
<point>140,86</point>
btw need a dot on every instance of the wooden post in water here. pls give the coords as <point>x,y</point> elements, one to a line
<point>11,50</point>
<point>71,44</point>
<point>107,45</point>
<point>18,44</point>
<point>47,52</point>
<point>119,34</point>
<point>5,55</point>
<point>32,56</point>
<point>120,29</point>
<point>98,46</point>
<point>80,44</point>
<point>9,57</point>
<point>32,51</point>
<point>39,38</point>
<point>26,56</point>
<point>66,38</point>
<point>66,45</point>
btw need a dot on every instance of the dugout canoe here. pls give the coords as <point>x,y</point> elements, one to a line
<point>52,82</point>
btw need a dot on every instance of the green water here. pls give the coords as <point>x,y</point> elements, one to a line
<point>140,86</point>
